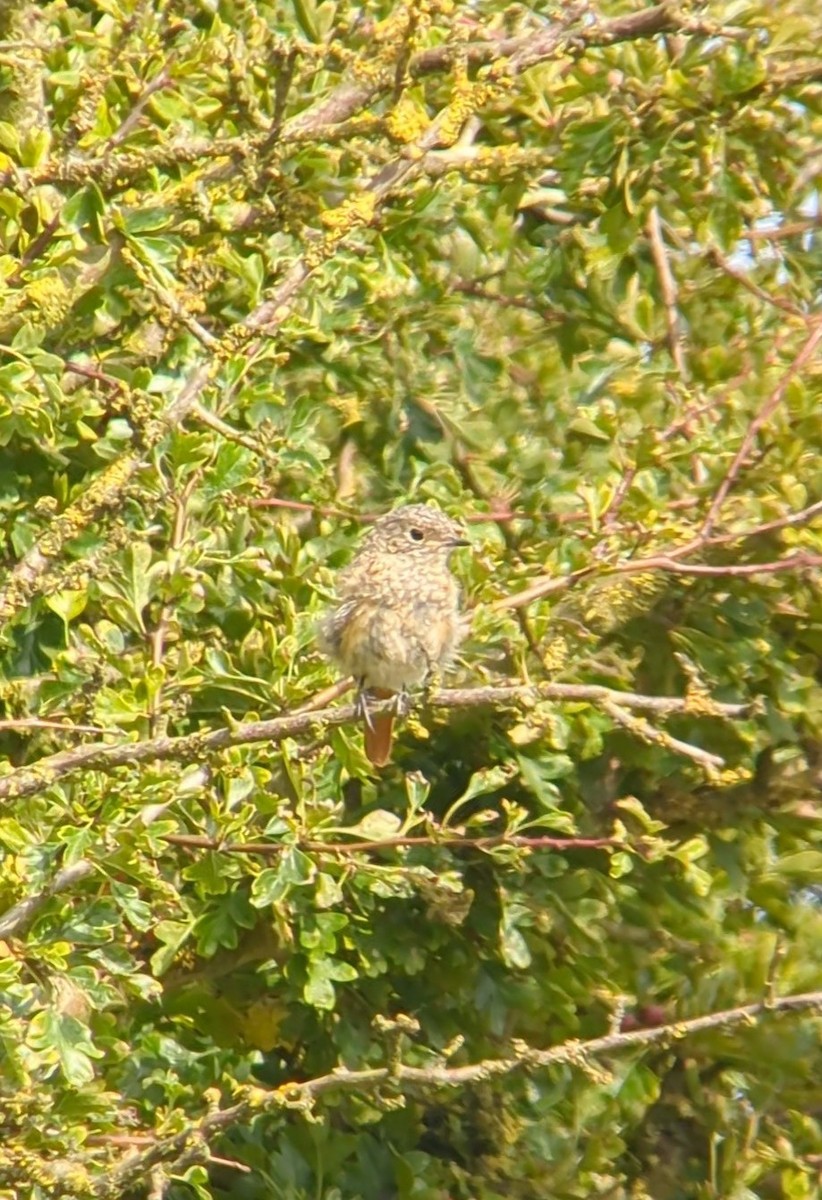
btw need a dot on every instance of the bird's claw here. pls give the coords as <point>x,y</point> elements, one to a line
<point>361,708</point>
<point>401,703</point>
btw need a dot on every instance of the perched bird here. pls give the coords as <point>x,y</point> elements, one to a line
<point>398,614</point>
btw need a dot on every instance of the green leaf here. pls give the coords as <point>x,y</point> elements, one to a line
<point>65,1041</point>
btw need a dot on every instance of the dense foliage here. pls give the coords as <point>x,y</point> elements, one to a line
<point>269,269</point>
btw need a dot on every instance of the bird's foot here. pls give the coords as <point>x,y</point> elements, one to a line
<point>432,682</point>
<point>361,709</point>
<point>400,702</point>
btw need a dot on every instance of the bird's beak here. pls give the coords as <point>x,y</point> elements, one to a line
<point>459,542</point>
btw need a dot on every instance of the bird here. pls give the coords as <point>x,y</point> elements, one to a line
<point>397,617</point>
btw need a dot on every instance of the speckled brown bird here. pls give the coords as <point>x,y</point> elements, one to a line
<point>398,615</point>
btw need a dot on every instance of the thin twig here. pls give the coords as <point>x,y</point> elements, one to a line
<point>326,696</point>
<point>34,250</point>
<point>544,585</point>
<point>34,723</point>
<point>87,372</point>
<point>795,562</point>
<point>160,81</point>
<point>787,229</point>
<point>667,285</point>
<point>718,259</point>
<point>527,50</point>
<point>800,517</point>
<point>20,915</point>
<point>767,410</point>
<point>672,560</point>
<point>157,638</point>
<point>207,417</point>
<point>477,291</point>
<point>611,513</point>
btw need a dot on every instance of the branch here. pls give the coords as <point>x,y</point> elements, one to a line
<point>661,562</point>
<point>716,256</point>
<point>795,518</point>
<point>787,229</point>
<point>22,724</point>
<point>672,561</point>
<point>766,411</point>
<point>160,81</point>
<point>667,285</point>
<point>199,842</point>
<point>19,915</point>
<point>302,1096</point>
<point>192,747</point>
<point>646,732</point>
<point>508,56</point>
<point>532,48</point>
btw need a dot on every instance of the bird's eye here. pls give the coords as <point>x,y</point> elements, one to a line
<point>416,535</point>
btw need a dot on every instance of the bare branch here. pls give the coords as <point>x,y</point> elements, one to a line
<point>787,229</point>
<point>160,81</point>
<point>795,518</point>
<point>532,48</point>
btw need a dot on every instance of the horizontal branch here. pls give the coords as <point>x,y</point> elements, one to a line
<point>20,915</point>
<point>198,842</point>
<point>528,50</point>
<point>801,517</point>
<point>192,747</point>
<point>35,724</point>
<point>302,1096</point>
<point>787,229</point>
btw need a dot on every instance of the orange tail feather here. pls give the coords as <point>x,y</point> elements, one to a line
<point>378,738</point>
